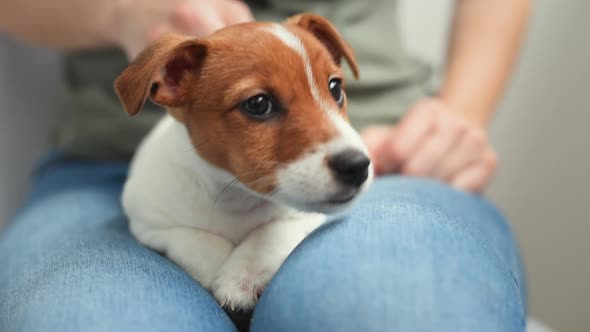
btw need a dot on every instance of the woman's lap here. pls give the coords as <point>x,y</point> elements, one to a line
<point>413,255</point>
<point>410,255</point>
<point>70,264</point>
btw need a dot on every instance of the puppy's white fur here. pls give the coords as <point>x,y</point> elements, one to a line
<point>229,238</point>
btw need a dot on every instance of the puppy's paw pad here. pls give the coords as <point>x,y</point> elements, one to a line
<point>241,290</point>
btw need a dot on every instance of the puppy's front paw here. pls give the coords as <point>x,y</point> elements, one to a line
<point>239,289</point>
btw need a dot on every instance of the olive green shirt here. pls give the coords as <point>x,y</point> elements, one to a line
<point>93,124</point>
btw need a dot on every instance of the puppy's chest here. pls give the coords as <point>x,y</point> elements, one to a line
<point>231,214</point>
<point>234,227</point>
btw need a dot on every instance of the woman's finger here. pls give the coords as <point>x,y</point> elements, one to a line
<point>470,148</point>
<point>200,21</point>
<point>375,138</point>
<point>235,11</point>
<point>477,176</point>
<point>158,30</point>
<point>413,130</point>
<point>432,153</point>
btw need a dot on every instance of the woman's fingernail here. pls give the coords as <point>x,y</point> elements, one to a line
<point>156,32</point>
<point>184,16</point>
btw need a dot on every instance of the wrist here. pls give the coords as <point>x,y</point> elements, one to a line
<point>474,112</point>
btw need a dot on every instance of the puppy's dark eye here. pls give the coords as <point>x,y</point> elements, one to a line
<point>335,86</point>
<point>259,106</point>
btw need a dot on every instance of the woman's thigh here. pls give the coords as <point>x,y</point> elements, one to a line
<point>68,263</point>
<point>413,255</point>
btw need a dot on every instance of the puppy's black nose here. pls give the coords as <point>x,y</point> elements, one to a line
<point>350,167</point>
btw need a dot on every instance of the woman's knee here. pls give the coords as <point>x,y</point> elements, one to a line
<point>425,201</point>
<point>400,261</point>
<point>70,264</point>
<point>395,199</point>
<point>112,284</point>
<point>430,195</point>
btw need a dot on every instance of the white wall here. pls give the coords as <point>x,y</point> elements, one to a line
<point>542,133</point>
<point>28,92</point>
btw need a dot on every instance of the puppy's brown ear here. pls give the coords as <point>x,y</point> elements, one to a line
<point>163,72</point>
<point>326,33</point>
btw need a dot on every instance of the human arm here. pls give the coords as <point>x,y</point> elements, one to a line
<point>129,24</point>
<point>445,137</point>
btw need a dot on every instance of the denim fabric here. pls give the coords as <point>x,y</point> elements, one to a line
<point>413,255</point>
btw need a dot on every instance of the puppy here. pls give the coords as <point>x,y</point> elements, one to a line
<point>254,151</point>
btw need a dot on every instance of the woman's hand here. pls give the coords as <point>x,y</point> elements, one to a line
<point>444,138</point>
<point>139,22</point>
<point>435,142</point>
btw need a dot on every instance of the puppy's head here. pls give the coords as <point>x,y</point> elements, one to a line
<point>264,102</point>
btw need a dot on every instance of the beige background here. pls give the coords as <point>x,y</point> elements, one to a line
<point>542,134</point>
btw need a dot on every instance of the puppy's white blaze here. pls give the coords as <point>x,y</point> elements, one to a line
<point>294,43</point>
<point>307,180</point>
<point>348,138</point>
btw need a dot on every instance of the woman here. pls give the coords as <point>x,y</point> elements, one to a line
<point>421,252</point>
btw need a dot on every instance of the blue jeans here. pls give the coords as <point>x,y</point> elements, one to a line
<point>413,255</point>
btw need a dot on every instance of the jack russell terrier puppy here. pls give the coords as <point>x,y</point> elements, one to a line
<point>254,151</point>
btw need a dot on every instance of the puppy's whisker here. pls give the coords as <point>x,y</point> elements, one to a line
<point>195,147</point>
<point>201,144</point>
<point>222,191</point>
<point>258,180</point>
<point>264,178</point>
